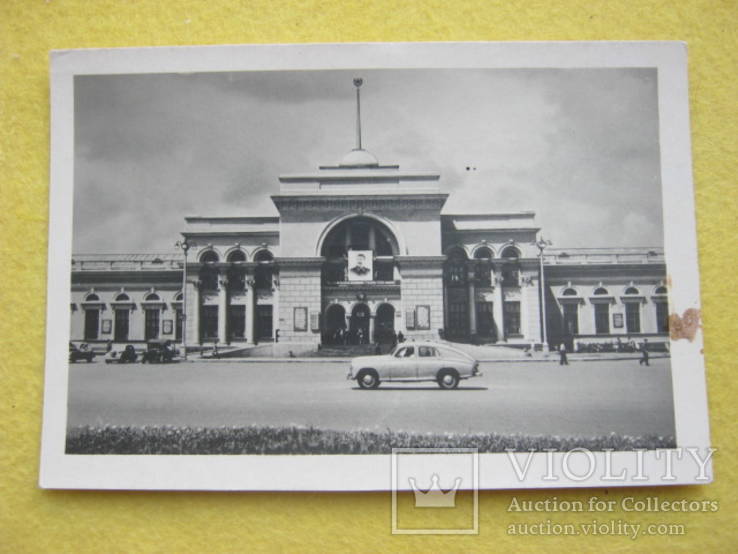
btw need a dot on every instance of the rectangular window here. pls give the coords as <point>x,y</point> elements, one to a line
<point>602,318</point>
<point>571,318</point>
<point>122,317</point>
<point>263,277</point>
<point>92,324</point>
<point>483,274</point>
<point>632,317</point>
<point>265,321</point>
<point>151,329</point>
<point>662,317</point>
<point>237,322</point>
<point>485,319</point>
<point>510,277</point>
<point>512,318</point>
<point>209,322</point>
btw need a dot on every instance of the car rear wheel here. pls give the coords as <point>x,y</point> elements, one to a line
<point>368,379</point>
<point>448,379</point>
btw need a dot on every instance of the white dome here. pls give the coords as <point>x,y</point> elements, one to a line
<point>358,158</point>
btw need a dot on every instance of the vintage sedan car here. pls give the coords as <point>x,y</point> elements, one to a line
<point>81,352</point>
<point>126,356</point>
<point>415,361</point>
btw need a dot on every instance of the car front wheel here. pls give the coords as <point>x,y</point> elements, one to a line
<point>448,379</point>
<point>368,379</point>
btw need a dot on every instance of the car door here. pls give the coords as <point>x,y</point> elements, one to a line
<point>428,362</point>
<point>404,364</point>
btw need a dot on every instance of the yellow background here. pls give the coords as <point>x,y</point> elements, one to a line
<point>32,520</point>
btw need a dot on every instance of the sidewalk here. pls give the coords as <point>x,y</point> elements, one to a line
<point>552,357</point>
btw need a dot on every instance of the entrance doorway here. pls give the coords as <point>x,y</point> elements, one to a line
<point>264,322</point>
<point>335,325</point>
<point>457,326</point>
<point>92,323</point>
<point>486,321</point>
<point>236,322</point>
<point>384,324</point>
<point>359,330</point>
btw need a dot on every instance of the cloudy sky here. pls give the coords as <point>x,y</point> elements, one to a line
<point>579,147</point>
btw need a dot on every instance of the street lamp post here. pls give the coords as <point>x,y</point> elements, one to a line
<point>542,244</point>
<point>185,245</point>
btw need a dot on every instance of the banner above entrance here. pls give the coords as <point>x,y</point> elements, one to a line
<point>360,265</point>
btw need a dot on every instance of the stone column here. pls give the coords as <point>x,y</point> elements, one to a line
<point>275,309</point>
<point>193,311</point>
<point>222,308</point>
<point>497,308</point>
<point>250,301</point>
<point>525,282</point>
<point>472,303</point>
<point>371,329</point>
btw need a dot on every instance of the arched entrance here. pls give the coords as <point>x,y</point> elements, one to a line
<point>384,324</point>
<point>359,330</point>
<point>335,325</point>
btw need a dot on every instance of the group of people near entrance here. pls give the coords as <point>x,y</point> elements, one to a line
<point>644,360</point>
<point>361,336</point>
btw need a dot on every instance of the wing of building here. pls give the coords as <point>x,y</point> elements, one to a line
<point>361,252</point>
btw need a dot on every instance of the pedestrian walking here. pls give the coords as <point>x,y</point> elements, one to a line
<point>644,353</point>
<point>563,360</point>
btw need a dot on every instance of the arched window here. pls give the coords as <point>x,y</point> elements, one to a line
<point>483,253</point>
<point>237,256</point>
<point>632,290</point>
<point>569,292</point>
<point>511,267</point>
<point>92,297</point>
<point>209,257</point>
<point>178,297</point>
<point>152,317</point>
<point>660,290</point>
<point>483,267</point>
<point>359,233</point>
<point>510,252</point>
<point>121,318</point>
<point>264,270</point>
<point>600,291</point>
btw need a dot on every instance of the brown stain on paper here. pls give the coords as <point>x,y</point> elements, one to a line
<point>686,326</point>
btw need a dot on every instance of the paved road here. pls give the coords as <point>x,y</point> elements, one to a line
<point>585,398</point>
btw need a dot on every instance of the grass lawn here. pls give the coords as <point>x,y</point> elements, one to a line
<point>309,440</point>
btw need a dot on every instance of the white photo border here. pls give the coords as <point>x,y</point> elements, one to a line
<point>363,473</point>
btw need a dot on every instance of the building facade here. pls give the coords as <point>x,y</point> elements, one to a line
<point>359,252</point>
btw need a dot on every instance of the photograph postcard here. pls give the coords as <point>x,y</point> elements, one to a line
<point>415,267</point>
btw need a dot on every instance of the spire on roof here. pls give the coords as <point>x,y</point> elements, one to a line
<point>358,157</point>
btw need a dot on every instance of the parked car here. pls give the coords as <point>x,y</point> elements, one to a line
<point>81,352</point>
<point>411,362</point>
<point>126,356</point>
<point>159,352</point>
